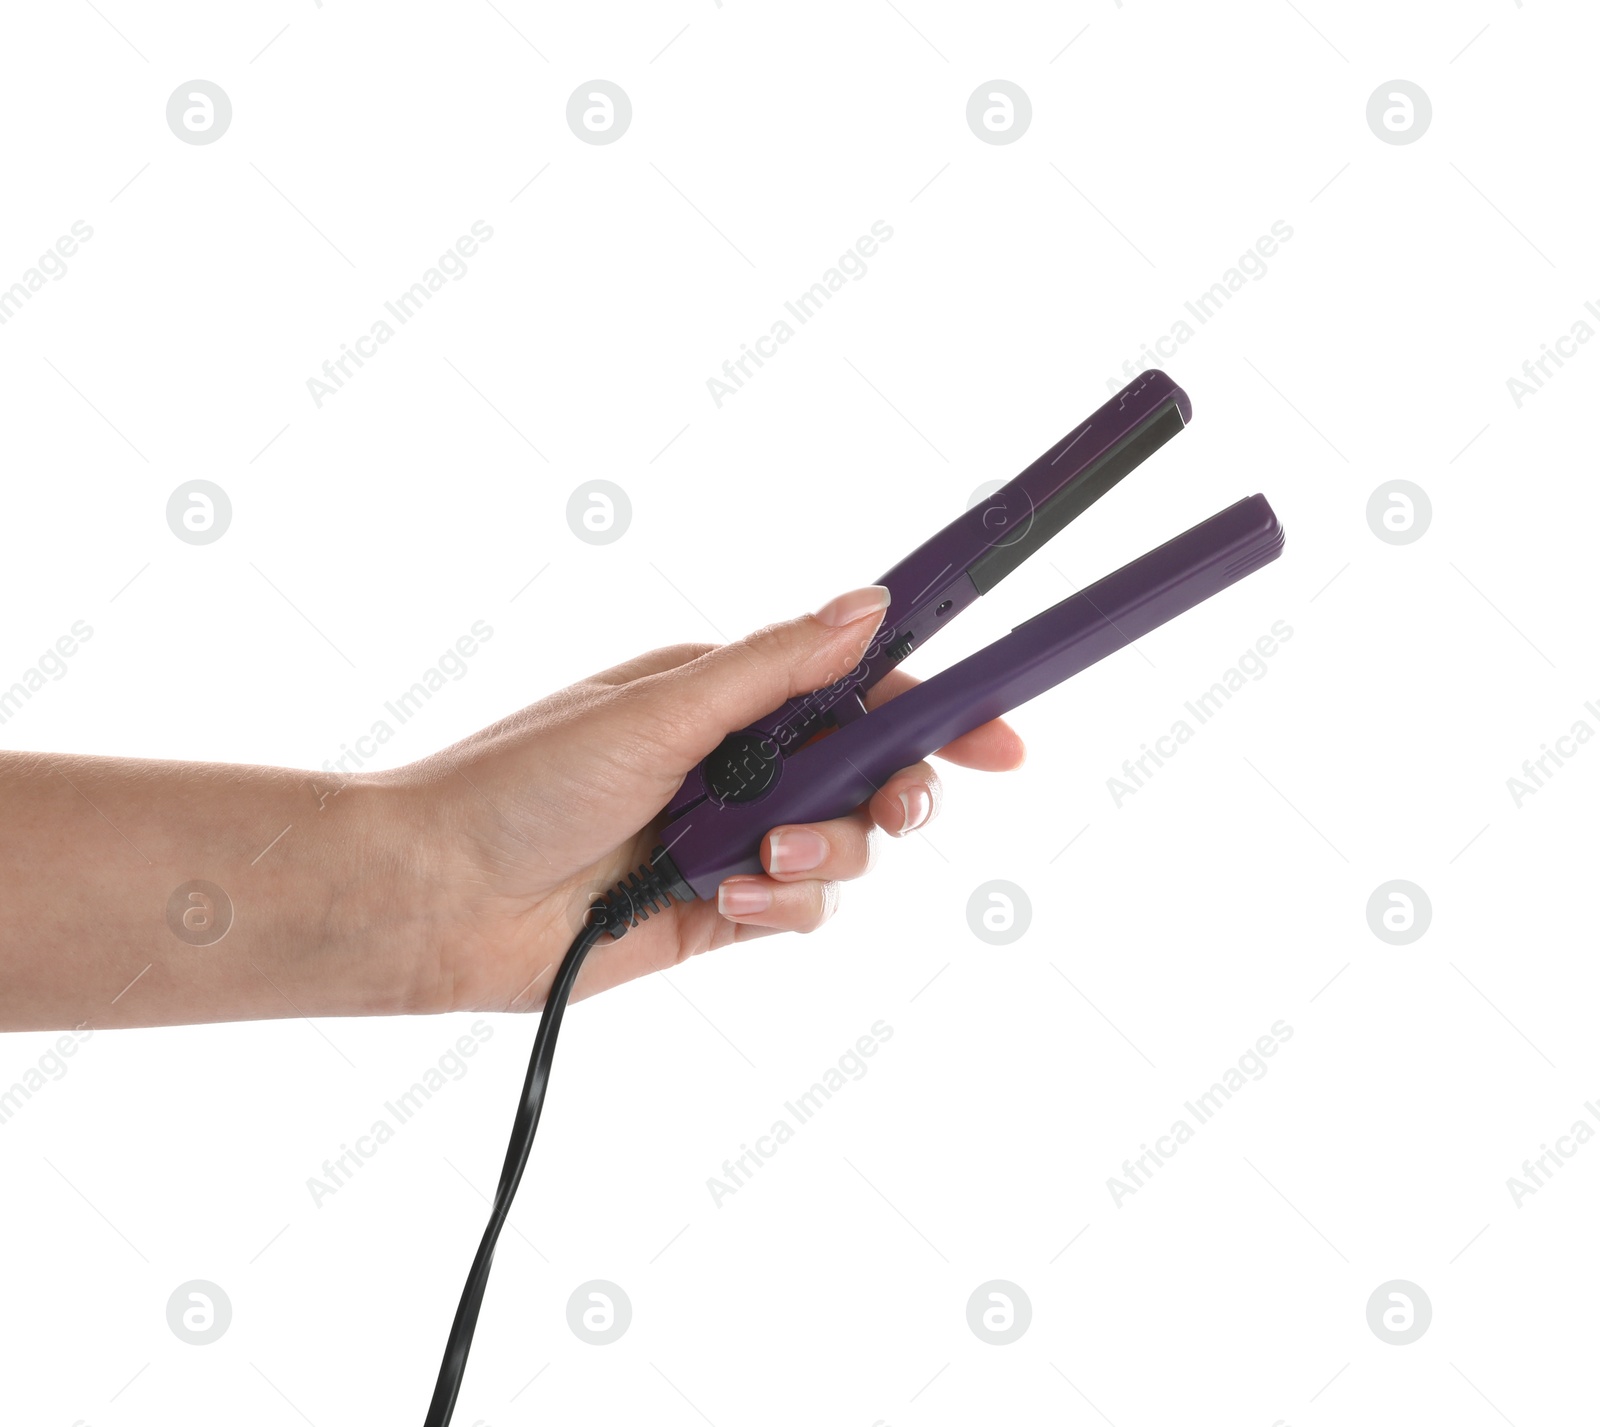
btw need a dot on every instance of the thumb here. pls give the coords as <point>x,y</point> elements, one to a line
<point>694,706</point>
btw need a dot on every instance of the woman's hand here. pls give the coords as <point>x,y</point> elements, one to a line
<point>526,820</point>
<point>140,893</point>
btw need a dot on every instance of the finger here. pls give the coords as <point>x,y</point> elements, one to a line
<point>840,849</point>
<point>908,801</point>
<point>692,707</point>
<point>655,662</point>
<point>781,906</point>
<point>993,747</point>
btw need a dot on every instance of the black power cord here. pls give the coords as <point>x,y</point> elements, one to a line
<point>631,901</point>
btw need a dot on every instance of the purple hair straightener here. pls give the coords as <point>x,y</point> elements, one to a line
<point>823,754</point>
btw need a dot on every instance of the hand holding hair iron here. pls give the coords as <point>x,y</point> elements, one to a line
<point>819,756</point>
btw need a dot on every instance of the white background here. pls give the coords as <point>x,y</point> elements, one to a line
<point>1226,895</point>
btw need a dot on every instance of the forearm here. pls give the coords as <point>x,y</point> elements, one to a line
<point>324,908</point>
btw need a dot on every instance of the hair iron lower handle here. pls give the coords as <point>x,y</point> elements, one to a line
<point>842,769</point>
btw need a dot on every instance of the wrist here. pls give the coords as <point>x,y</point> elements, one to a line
<point>466,944</point>
<point>383,927</point>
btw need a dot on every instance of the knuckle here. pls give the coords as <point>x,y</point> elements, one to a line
<point>675,655</point>
<point>783,641</point>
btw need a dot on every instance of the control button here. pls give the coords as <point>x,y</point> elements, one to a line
<point>742,767</point>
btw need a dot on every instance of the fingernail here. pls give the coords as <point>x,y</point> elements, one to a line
<point>798,850</point>
<point>742,899</point>
<point>916,804</point>
<point>846,609</point>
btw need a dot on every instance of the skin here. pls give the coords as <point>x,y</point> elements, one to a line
<point>455,883</point>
